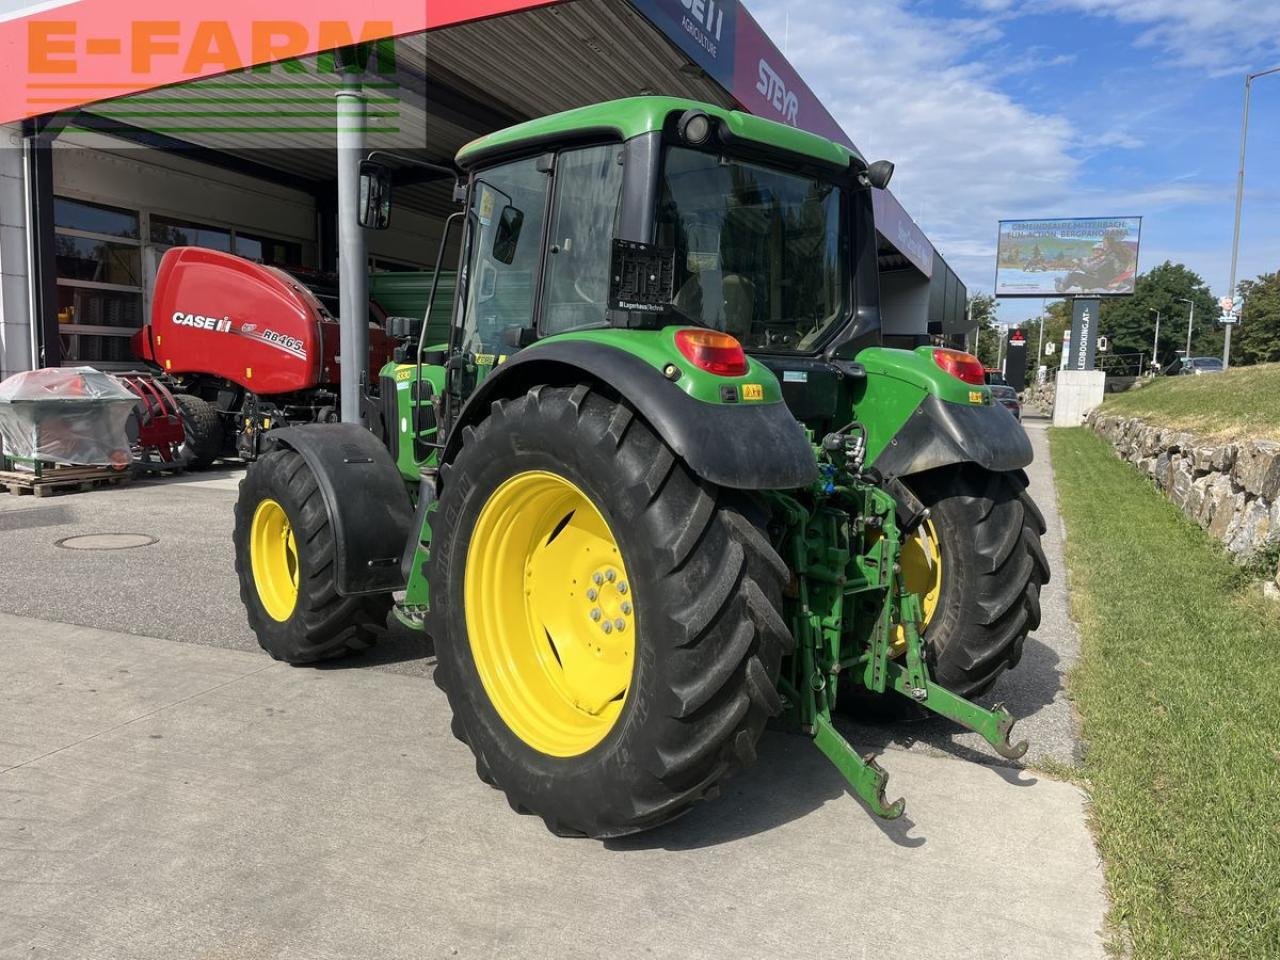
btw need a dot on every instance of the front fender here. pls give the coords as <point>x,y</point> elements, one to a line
<point>740,445</point>
<point>366,500</point>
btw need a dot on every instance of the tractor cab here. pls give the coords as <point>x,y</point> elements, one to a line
<point>652,214</point>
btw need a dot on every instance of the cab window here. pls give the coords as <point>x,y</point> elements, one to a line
<point>588,184</point>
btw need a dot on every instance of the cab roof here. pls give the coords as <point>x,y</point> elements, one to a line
<point>634,116</point>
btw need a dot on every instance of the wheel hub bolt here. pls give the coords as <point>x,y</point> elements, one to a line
<point>611,576</point>
<point>620,624</point>
<point>622,586</point>
<point>597,579</point>
<point>591,593</point>
<point>626,607</point>
<point>595,613</point>
<point>607,627</point>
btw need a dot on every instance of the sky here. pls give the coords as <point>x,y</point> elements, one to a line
<point>999,109</point>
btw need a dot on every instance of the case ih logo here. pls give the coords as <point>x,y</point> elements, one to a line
<point>774,89</point>
<point>200,322</point>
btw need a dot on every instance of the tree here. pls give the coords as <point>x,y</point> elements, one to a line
<point>1129,322</point>
<point>1257,339</point>
<point>982,310</point>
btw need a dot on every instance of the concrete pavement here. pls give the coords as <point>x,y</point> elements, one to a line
<point>173,800</point>
<point>182,799</point>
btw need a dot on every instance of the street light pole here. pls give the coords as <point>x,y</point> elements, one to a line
<point>1155,343</point>
<point>1235,234</point>
<point>1191,319</point>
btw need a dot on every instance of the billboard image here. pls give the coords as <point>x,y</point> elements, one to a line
<point>1088,256</point>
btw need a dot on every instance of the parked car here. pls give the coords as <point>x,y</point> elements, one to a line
<point>1007,397</point>
<point>1198,365</point>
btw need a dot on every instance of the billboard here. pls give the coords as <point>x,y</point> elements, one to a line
<point>1085,256</point>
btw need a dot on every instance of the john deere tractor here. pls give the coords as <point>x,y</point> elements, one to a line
<point>655,481</point>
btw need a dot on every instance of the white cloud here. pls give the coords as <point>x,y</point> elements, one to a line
<point>1222,36</point>
<point>907,87</point>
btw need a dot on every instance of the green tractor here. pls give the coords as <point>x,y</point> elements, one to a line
<point>655,481</point>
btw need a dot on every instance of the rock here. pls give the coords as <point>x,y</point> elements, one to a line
<point>1180,487</point>
<point>1249,532</point>
<point>1226,511</point>
<point>1273,529</point>
<point>1224,457</point>
<point>1193,506</point>
<point>1162,470</point>
<point>1148,466</point>
<point>1257,468</point>
<point>1149,441</point>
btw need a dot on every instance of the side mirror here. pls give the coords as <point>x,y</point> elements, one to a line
<point>375,195</point>
<point>403,328</point>
<point>507,234</point>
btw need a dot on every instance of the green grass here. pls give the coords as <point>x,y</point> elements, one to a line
<point>1179,691</point>
<point>1244,402</point>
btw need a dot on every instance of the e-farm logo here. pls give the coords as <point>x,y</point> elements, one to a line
<point>251,79</point>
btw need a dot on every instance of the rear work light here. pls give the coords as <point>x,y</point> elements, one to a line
<point>961,365</point>
<point>712,351</point>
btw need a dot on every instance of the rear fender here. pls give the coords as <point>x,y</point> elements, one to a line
<point>919,417</point>
<point>366,499</point>
<point>740,445</point>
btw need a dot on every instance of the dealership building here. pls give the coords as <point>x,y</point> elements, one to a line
<point>95,185</point>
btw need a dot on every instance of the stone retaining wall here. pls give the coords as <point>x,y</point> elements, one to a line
<point>1230,489</point>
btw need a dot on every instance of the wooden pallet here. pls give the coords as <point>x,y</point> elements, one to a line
<point>62,480</point>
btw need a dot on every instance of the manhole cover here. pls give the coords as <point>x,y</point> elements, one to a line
<point>106,541</point>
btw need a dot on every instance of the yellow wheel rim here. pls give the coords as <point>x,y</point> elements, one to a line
<point>273,555</point>
<point>550,613</point>
<point>921,558</point>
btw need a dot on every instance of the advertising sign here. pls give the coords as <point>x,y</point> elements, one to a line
<point>61,55</point>
<point>767,85</point>
<point>1015,361</point>
<point>1084,334</point>
<point>1096,256</point>
<point>704,29</point>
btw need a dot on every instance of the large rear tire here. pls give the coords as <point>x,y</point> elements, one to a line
<point>285,561</point>
<point>986,589</point>
<point>563,514</point>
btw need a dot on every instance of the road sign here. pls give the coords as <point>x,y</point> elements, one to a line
<point>1225,303</point>
<point>1050,348</point>
<point>1228,318</point>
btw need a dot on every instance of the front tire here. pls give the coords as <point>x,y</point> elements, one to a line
<point>600,733</point>
<point>285,562</point>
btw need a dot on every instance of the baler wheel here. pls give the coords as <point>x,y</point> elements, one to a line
<point>285,561</point>
<point>202,428</point>
<point>607,625</point>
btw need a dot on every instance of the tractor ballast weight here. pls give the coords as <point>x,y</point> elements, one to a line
<point>634,541</point>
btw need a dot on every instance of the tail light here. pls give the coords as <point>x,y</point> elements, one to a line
<point>712,351</point>
<point>961,365</point>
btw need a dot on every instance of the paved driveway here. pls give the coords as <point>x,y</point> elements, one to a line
<point>168,791</point>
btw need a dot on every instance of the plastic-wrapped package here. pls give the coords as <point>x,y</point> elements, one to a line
<point>65,415</point>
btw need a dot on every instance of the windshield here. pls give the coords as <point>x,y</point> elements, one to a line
<point>760,254</point>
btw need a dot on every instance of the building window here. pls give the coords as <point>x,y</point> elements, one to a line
<point>268,250</point>
<point>98,257</point>
<point>167,232</point>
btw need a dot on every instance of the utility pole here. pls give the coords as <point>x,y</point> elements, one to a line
<point>1155,343</point>
<point>1235,234</point>
<point>1040,348</point>
<point>1191,319</point>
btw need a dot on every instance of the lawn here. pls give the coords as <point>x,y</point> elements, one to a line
<point>1243,402</point>
<point>1179,691</point>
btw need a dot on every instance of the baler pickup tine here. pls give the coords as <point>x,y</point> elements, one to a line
<point>867,777</point>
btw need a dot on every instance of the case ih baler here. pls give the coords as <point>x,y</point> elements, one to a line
<point>245,348</point>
